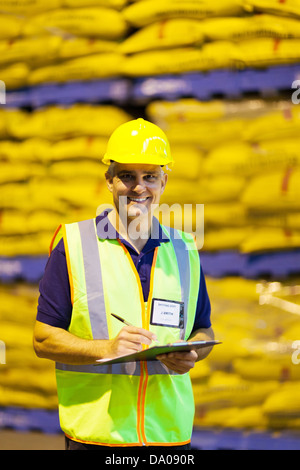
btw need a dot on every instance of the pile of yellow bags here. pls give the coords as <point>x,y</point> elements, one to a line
<point>243,163</point>
<point>290,8</point>
<point>183,36</point>
<point>249,381</point>
<point>25,380</point>
<point>60,40</point>
<point>252,379</point>
<point>215,55</point>
<point>51,171</point>
<point>63,40</point>
<point>186,32</point>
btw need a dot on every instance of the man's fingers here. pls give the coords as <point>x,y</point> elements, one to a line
<point>181,356</point>
<point>138,335</point>
<point>180,362</point>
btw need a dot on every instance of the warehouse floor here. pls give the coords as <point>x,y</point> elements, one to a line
<point>12,440</point>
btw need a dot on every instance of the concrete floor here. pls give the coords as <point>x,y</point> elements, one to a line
<point>12,440</point>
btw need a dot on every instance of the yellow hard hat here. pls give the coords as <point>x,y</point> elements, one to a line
<point>138,141</point>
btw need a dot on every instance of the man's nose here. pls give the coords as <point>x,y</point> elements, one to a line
<point>139,185</point>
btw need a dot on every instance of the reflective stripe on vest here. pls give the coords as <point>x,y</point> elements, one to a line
<point>175,276</point>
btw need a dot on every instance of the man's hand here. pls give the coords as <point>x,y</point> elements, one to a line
<point>130,340</point>
<point>60,345</point>
<point>180,362</point>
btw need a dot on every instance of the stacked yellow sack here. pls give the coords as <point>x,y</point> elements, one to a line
<point>142,13</point>
<point>275,191</point>
<point>56,49</point>
<point>23,7</point>
<point>11,26</point>
<point>57,122</point>
<point>245,27</point>
<point>15,76</point>
<point>25,380</point>
<point>282,407</point>
<point>96,22</point>
<point>92,67</point>
<point>251,159</point>
<point>250,381</point>
<point>230,407</point>
<point>178,32</point>
<point>191,110</point>
<point>266,52</point>
<point>117,4</point>
<point>271,367</point>
<point>290,8</point>
<point>212,56</point>
<point>228,389</point>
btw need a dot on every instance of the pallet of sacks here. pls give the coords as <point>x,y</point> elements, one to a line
<point>26,381</point>
<point>51,171</point>
<point>60,40</point>
<point>240,160</point>
<point>251,381</point>
<point>178,37</point>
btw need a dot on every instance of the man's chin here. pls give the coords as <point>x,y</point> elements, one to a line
<point>137,214</point>
<point>137,210</point>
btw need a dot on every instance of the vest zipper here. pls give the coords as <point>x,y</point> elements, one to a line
<point>141,403</point>
<point>143,364</point>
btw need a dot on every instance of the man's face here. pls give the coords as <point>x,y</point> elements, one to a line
<point>142,185</point>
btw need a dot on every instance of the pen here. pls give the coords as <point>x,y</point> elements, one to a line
<point>121,319</point>
<point>126,323</point>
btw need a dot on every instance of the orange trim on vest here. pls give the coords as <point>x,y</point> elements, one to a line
<point>151,285</point>
<point>135,444</point>
<point>141,381</point>
<point>143,398</point>
<point>145,324</point>
<point>53,239</point>
<point>68,264</point>
<point>139,406</point>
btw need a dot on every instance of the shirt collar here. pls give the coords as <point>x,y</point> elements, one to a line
<point>106,231</point>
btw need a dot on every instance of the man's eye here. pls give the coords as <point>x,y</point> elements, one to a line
<point>125,176</point>
<point>151,177</point>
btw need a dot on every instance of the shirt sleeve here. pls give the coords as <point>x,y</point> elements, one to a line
<point>54,304</point>
<point>203,311</point>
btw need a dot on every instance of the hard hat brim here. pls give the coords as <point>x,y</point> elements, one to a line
<point>134,160</point>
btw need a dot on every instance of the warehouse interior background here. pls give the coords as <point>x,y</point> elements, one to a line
<point>221,78</point>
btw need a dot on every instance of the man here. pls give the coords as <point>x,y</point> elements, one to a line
<point>102,267</point>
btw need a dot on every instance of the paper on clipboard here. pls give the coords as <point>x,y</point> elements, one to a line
<point>150,354</point>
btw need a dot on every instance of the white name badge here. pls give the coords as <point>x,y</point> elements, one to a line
<point>167,313</point>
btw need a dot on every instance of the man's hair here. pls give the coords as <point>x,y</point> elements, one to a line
<point>110,169</point>
<point>112,165</point>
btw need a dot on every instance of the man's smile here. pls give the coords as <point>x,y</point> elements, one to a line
<point>138,199</point>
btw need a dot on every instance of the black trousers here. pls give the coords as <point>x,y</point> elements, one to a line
<point>73,445</point>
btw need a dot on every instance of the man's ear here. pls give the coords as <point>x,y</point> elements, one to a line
<point>164,180</point>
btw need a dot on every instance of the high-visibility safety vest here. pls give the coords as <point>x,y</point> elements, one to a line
<point>132,403</point>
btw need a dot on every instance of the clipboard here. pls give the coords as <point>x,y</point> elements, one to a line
<point>150,354</point>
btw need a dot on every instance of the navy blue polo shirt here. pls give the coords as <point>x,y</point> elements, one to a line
<point>54,305</point>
